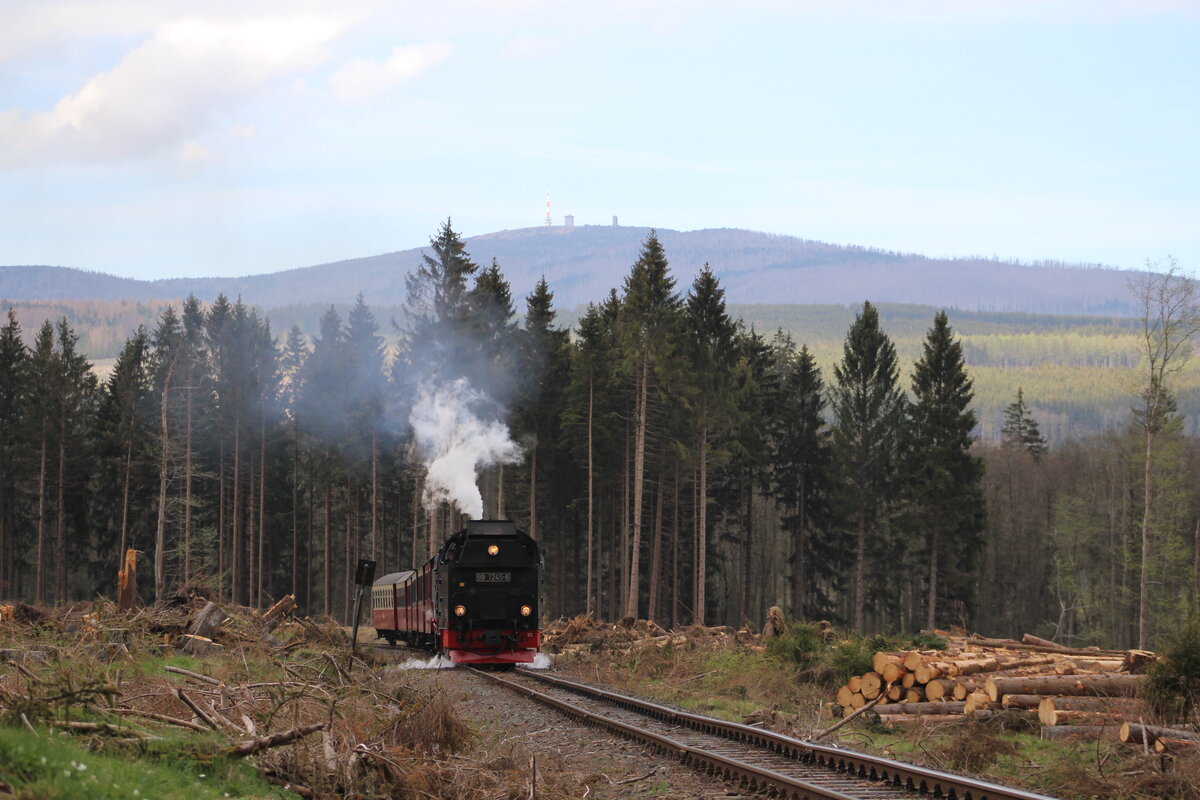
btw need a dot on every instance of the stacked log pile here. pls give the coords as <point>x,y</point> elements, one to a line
<point>1068,690</point>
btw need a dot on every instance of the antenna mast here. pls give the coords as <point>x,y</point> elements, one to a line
<point>548,208</point>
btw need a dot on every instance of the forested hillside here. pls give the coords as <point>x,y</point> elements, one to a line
<point>1078,373</point>
<point>673,464</point>
<point>582,263</point>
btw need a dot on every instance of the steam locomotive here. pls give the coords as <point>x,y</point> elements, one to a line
<point>475,601</point>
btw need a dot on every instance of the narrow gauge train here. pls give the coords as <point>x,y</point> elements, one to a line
<point>475,601</point>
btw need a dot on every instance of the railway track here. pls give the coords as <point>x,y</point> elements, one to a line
<point>761,761</point>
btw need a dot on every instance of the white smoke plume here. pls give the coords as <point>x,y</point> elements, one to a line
<point>454,442</point>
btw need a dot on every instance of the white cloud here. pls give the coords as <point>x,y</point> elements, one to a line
<point>363,79</point>
<point>166,90</point>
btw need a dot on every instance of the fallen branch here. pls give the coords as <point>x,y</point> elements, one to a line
<point>190,674</point>
<point>252,746</point>
<point>137,712</point>
<point>196,709</point>
<point>103,727</point>
<point>854,714</point>
<point>635,780</point>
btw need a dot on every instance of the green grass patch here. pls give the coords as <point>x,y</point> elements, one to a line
<point>50,766</point>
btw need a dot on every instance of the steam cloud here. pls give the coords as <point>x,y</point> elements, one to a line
<point>455,441</point>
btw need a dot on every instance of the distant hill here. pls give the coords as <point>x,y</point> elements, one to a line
<point>583,263</point>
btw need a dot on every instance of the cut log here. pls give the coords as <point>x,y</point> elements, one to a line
<point>907,720</point>
<point>919,708</point>
<point>912,659</point>
<point>915,694</point>
<point>844,696</point>
<point>931,671</point>
<point>855,683</point>
<point>1029,638</point>
<point>206,622</point>
<point>882,658</point>
<point>871,685</point>
<point>1128,706</point>
<point>1050,714</point>
<point>1082,731</point>
<point>1074,685</point>
<point>1137,733</point>
<point>976,701</point>
<point>1013,644</point>
<point>908,680</point>
<point>1164,744</point>
<point>276,613</point>
<point>961,690</point>
<point>857,701</point>
<point>895,692</point>
<point>939,689</point>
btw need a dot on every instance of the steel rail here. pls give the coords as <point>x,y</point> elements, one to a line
<point>755,778</point>
<point>862,765</point>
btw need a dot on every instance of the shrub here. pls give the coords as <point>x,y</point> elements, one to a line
<point>928,641</point>
<point>1173,684</point>
<point>851,656</point>
<point>801,644</point>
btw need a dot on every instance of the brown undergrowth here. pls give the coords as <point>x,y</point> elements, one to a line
<point>291,702</point>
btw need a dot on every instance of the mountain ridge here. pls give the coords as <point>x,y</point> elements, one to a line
<point>582,263</point>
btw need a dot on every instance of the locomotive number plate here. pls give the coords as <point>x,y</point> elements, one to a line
<point>493,577</point>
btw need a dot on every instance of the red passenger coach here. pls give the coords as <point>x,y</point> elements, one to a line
<point>476,601</point>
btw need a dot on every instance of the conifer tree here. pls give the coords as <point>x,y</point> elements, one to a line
<point>291,387</point>
<point>545,365</point>
<point>649,325</point>
<point>122,423</point>
<point>800,479</point>
<point>713,353</point>
<point>1020,429</point>
<point>14,382</point>
<point>438,308</point>
<point>941,475</point>
<point>867,411</point>
<point>44,369</point>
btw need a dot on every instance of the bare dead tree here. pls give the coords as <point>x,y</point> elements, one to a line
<point>1170,317</point>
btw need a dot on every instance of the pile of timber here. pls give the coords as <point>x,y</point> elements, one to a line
<point>1070,691</point>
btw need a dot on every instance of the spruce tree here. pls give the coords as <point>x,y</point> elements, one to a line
<point>867,408</point>
<point>942,477</point>
<point>800,478</point>
<point>14,383</point>
<point>545,366</point>
<point>1020,429</point>
<point>649,329</point>
<point>124,439</point>
<point>712,354</point>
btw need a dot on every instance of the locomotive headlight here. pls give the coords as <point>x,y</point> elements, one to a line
<point>493,549</point>
<point>460,611</point>
<point>526,611</point>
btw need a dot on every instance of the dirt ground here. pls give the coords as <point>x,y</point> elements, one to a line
<point>571,760</point>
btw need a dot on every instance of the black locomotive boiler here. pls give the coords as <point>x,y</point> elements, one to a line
<point>475,601</point>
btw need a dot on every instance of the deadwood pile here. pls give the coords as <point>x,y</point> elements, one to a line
<point>584,634</point>
<point>306,713</point>
<point>1068,691</point>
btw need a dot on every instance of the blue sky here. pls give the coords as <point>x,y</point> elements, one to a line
<point>164,138</point>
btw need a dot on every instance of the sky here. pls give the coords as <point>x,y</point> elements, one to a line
<point>163,138</point>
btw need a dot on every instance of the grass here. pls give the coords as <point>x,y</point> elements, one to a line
<point>46,765</point>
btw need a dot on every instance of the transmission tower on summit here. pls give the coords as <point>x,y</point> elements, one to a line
<point>548,223</point>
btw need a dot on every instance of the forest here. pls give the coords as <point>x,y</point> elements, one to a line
<point>675,463</point>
